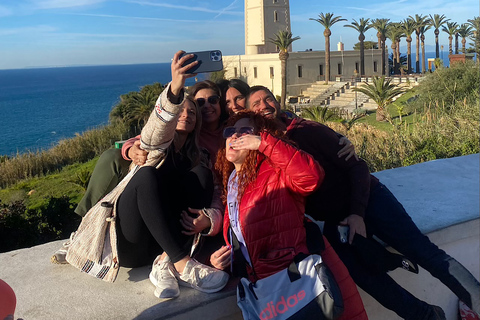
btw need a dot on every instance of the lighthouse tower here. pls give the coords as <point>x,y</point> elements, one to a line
<point>263,19</point>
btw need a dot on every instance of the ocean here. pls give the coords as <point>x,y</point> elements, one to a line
<point>39,107</point>
<point>42,106</point>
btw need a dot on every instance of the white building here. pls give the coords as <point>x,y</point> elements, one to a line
<point>260,64</point>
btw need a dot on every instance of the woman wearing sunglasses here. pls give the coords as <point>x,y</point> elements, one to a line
<point>207,94</point>
<point>150,208</point>
<point>265,181</point>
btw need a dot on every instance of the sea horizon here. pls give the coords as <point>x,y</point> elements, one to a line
<point>43,105</point>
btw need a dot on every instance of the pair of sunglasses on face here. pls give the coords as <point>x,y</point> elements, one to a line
<point>211,100</point>
<point>242,131</point>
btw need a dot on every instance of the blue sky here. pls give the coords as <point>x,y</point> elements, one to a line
<point>36,33</point>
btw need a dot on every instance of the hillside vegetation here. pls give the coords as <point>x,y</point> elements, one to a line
<point>439,119</point>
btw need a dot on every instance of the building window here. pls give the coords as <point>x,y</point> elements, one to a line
<point>374,66</point>
<point>299,71</point>
<point>356,67</point>
<point>245,70</point>
<point>321,70</point>
<point>235,72</point>
<point>339,68</point>
<point>275,1</point>
<point>275,16</point>
<point>255,72</point>
<point>272,74</point>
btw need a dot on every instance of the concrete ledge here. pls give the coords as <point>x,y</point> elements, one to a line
<point>442,197</point>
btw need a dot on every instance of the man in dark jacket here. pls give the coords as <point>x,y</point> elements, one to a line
<point>351,196</point>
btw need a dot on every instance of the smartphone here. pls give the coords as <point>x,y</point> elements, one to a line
<point>343,233</point>
<point>208,61</point>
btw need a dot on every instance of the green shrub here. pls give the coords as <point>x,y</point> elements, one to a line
<point>21,227</point>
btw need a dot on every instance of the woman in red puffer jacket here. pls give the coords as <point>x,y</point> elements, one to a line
<point>265,182</point>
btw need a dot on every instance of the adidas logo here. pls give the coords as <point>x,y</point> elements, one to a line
<point>274,309</point>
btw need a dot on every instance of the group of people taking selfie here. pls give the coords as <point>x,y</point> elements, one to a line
<point>229,185</point>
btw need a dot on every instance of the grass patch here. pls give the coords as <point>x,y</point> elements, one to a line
<point>34,192</point>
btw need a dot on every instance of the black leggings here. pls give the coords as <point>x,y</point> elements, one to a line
<point>148,212</point>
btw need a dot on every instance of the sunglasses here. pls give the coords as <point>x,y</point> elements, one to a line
<point>230,131</point>
<point>211,100</point>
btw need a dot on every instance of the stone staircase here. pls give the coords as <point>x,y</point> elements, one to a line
<point>337,95</point>
<point>319,92</point>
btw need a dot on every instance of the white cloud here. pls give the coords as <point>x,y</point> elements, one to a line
<point>53,4</point>
<point>41,29</point>
<point>134,18</point>
<point>189,8</point>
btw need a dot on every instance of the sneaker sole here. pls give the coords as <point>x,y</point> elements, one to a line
<point>55,260</point>
<point>154,281</point>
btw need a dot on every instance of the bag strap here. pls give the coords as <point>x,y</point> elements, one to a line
<point>293,273</point>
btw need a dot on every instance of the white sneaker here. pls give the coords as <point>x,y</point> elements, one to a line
<point>163,278</point>
<point>60,256</point>
<point>201,277</point>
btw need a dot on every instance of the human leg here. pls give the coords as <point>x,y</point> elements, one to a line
<point>387,219</point>
<point>150,205</point>
<point>145,217</point>
<point>109,170</point>
<point>377,284</point>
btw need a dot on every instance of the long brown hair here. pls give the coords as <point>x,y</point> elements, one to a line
<point>190,148</point>
<point>249,169</point>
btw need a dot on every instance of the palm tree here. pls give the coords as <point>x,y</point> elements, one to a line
<point>317,113</point>
<point>394,34</point>
<point>283,40</point>
<point>382,92</point>
<point>464,31</point>
<point>423,29</point>
<point>475,37</point>
<point>327,21</point>
<point>408,27</point>
<point>420,21</point>
<point>381,25</point>
<point>362,26</point>
<point>141,106</point>
<point>451,30</point>
<point>437,21</point>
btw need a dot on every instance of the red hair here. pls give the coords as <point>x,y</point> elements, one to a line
<point>248,171</point>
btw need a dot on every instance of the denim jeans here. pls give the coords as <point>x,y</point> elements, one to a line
<point>387,219</point>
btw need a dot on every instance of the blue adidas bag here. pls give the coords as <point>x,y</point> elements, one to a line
<point>304,290</point>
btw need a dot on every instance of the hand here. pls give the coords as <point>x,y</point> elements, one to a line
<point>194,225</point>
<point>179,74</point>
<point>247,142</point>
<point>221,258</point>
<point>348,150</point>
<point>356,224</point>
<point>138,155</point>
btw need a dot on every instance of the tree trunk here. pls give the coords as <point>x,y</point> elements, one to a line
<point>327,34</point>
<point>437,50</point>
<point>456,43</point>
<point>409,55</point>
<point>423,54</point>
<point>383,56</point>
<point>417,55</point>
<point>464,49</point>
<point>283,56</point>
<point>361,37</point>
<point>380,115</point>
<point>450,48</point>
<point>394,57</point>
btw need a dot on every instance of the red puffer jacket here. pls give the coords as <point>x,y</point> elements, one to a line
<point>271,210</point>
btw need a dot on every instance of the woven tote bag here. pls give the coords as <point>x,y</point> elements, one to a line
<point>93,247</point>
